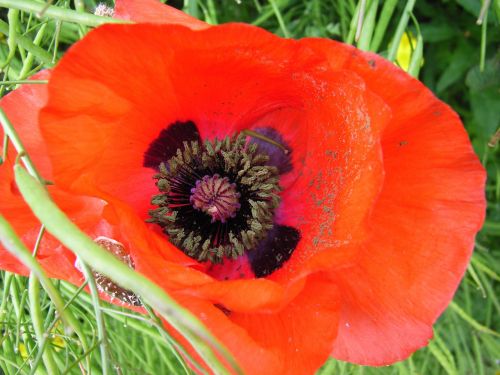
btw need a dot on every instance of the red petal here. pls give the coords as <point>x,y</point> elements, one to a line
<point>422,227</point>
<point>152,11</point>
<point>295,340</point>
<point>301,334</point>
<point>22,107</point>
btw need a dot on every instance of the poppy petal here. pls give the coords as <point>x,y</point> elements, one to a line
<point>341,175</point>
<point>152,11</point>
<point>274,343</point>
<point>301,334</point>
<point>422,226</point>
<point>22,107</point>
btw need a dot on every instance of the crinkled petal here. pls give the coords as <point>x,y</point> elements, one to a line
<point>420,233</point>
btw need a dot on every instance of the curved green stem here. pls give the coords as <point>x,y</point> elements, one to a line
<point>16,141</point>
<point>101,329</point>
<point>36,318</point>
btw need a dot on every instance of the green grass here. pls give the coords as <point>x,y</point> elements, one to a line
<point>453,55</point>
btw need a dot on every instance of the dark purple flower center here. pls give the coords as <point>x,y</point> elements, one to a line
<point>217,198</point>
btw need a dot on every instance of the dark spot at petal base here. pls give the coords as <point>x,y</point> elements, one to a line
<point>274,250</point>
<point>278,157</point>
<point>168,141</point>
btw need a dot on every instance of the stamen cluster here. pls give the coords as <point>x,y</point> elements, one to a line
<point>248,195</point>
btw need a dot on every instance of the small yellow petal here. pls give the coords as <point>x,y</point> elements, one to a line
<point>23,351</point>
<point>403,56</point>
<point>58,343</point>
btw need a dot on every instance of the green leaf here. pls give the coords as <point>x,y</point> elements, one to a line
<point>484,90</point>
<point>460,62</point>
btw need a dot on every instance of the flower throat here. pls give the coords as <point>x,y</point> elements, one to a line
<point>217,199</point>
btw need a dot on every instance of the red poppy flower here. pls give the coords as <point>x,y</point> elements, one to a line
<point>313,199</point>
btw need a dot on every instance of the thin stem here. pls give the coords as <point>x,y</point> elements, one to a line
<point>13,18</point>
<point>101,329</point>
<point>483,14</point>
<point>28,62</point>
<point>403,22</point>
<point>37,320</point>
<point>366,32</point>
<point>418,52</point>
<point>279,17</point>
<point>484,29</point>
<point>353,25</point>
<point>41,232</point>
<point>383,22</point>
<point>23,81</point>
<point>5,148</point>
<point>361,18</point>
<point>16,141</point>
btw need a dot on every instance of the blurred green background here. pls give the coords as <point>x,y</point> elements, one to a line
<point>440,42</point>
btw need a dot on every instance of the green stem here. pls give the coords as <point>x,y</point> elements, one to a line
<point>37,320</point>
<point>484,33</point>
<point>418,52</point>
<point>383,22</point>
<point>3,305</point>
<point>366,31</point>
<point>102,261</point>
<point>23,81</point>
<point>16,141</point>
<point>101,329</point>
<point>279,17</point>
<point>13,18</point>
<point>58,13</point>
<point>472,322</point>
<point>28,62</point>
<point>5,146</point>
<point>176,348</point>
<point>42,55</point>
<point>403,22</point>
<point>361,18</point>
<point>353,25</point>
